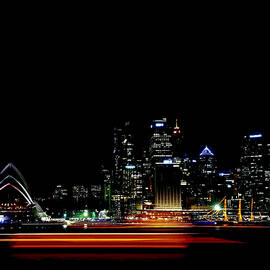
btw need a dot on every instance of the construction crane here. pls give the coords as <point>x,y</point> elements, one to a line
<point>216,209</point>
<point>251,210</point>
<point>239,212</point>
<point>225,210</point>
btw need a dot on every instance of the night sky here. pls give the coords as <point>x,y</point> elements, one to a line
<point>61,95</point>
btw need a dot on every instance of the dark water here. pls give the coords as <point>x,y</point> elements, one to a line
<point>250,249</point>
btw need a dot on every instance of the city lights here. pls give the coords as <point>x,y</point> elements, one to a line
<point>154,199</point>
<point>130,167</point>
<point>167,161</point>
<point>85,213</point>
<point>164,179</point>
<point>217,207</point>
<point>252,136</point>
<point>135,136</point>
<point>2,218</point>
<point>162,189</point>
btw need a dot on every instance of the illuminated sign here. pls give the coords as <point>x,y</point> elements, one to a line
<point>224,174</point>
<point>167,161</point>
<point>252,136</point>
<point>130,166</point>
<point>159,124</point>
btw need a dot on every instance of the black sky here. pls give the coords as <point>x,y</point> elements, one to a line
<point>64,88</point>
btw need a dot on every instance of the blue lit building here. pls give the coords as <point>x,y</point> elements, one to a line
<point>207,177</point>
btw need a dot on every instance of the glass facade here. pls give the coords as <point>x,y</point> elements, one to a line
<point>252,169</point>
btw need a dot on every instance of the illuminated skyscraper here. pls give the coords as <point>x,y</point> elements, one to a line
<point>252,173</point>
<point>160,141</point>
<point>189,174</point>
<point>127,175</point>
<point>116,184</point>
<point>177,138</point>
<point>207,176</point>
<point>267,176</point>
<point>167,185</point>
<point>107,182</point>
<point>165,166</point>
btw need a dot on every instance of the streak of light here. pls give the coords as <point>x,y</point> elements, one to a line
<point>110,240</point>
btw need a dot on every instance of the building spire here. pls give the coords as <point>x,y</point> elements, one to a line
<point>176,123</point>
<point>176,129</point>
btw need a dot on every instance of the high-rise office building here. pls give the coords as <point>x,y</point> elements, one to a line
<point>127,173</point>
<point>189,174</point>
<point>252,172</point>
<point>207,177</point>
<point>160,141</point>
<point>167,185</point>
<point>80,195</point>
<point>163,148</point>
<point>227,186</point>
<point>177,138</point>
<point>107,187</point>
<point>147,181</point>
<point>267,176</point>
<point>116,184</point>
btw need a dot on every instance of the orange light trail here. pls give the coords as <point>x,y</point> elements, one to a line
<point>109,240</point>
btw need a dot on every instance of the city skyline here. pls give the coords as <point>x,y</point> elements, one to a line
<point>75,189</point>
<point>76,153</point>
<point>163,176</point>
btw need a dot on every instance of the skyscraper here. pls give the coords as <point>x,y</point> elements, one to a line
<point>160,141</point>
<point>165,166</point>
<point>267,176</point>
<point>167,189</point>
<point>189,175</point>
<point>252,173</point>
<point>127,175</point>
<point>177,138</point>
<point>207,178</point>
<point>107,187</point>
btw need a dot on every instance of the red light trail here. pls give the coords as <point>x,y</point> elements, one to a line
<point>108,240</point>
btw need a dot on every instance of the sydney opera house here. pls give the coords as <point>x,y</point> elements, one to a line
<point>16,203</point>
